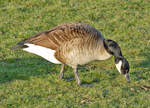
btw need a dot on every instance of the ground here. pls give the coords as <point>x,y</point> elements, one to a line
<point>29,81</point>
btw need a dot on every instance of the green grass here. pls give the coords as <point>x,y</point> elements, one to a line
<point>29,81</point>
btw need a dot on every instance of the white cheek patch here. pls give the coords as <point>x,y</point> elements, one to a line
<point>46,53</point>
<point>118,66</point>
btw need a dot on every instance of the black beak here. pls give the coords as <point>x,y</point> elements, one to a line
<point>127,77</point>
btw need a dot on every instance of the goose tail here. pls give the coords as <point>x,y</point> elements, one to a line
<point>19,45</point>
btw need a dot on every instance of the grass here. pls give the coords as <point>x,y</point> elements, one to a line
<point>29,81</point>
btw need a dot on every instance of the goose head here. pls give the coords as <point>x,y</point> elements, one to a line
<point>123,67</point>
<point>121,63</point>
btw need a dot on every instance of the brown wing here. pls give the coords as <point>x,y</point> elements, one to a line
<point>63,33</point>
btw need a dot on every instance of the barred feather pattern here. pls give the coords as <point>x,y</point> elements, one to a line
<point>74,43</point>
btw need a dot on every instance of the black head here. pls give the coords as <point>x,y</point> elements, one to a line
<point>122,66</point>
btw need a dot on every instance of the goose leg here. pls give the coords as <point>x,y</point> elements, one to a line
<point>76,75</point>
<point>61,75</point>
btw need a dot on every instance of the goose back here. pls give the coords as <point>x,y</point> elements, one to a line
<point>56,36</point>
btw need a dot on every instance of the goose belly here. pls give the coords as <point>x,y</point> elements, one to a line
<point>84,60</point>
<point>76,57</point>
<point>46,53</point>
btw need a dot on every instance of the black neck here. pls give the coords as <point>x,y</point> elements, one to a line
<point>112,48</point>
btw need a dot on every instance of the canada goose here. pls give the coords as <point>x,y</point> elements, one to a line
<point>74,44</point>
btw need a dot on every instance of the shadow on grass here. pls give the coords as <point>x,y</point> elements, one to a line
<point>24,68</point>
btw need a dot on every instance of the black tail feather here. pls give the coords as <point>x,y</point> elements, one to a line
<point>20,45</point>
